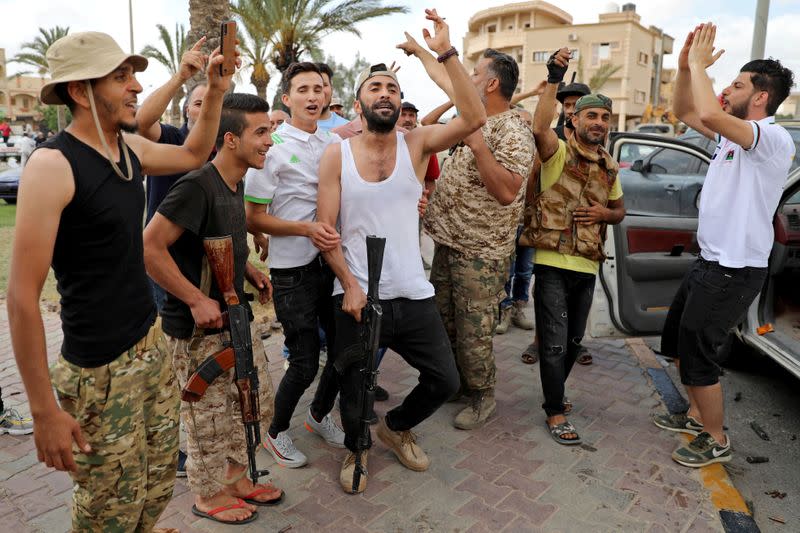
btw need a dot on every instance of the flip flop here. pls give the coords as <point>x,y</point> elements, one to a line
<point>584,359</point>
<point>238,505</point>
<point>529,358</point>
<point>250,498</point>
<point>559,430</point>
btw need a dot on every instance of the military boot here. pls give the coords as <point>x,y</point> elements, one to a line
<point>518,317</point>
<point>505,320</point>
<point>481,407</point>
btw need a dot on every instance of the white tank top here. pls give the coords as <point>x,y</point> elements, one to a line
<point>384,209</point>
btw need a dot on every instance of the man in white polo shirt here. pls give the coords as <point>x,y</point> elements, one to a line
<point>281,201</point>
<point>740,195</point>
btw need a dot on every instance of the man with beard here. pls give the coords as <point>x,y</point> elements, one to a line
<point>282,202</point>
<point>328,119</point>
<point>207,203</point>
<point>580,196</point>
<point>372,184</point>
<point>741,192</point>
<point>81,205</point>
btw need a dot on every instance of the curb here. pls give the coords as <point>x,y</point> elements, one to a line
<point>733,511</point>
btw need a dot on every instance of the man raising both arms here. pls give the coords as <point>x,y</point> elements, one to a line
<point>372,183</point>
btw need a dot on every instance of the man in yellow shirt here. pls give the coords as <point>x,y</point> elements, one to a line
<point>580,195</point>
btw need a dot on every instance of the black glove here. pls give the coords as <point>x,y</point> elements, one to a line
<point>555,72</point>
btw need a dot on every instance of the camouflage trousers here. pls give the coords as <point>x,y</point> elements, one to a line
<point>468,293</point>
<point>128,413</point>
<point>213,425</point>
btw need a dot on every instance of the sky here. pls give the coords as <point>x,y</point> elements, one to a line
<point>379,37</point>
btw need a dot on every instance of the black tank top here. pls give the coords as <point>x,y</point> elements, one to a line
<point>98,259</point>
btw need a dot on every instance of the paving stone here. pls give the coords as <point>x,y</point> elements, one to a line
<point>495,519</point>
<point>55,521</point>
<point>534,512</point>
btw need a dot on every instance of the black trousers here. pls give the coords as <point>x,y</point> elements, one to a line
<point>414,329</point>
<point>302,298</point>
<point>561,300</point>
<point>711,300</point>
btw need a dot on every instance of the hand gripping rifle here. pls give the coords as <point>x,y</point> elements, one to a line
<point>371,315</point>
<point>237,353</point>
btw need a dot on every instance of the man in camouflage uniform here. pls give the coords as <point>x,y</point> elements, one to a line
<point>208,203</point>
<point>566,224</point>
<point>473,219</point>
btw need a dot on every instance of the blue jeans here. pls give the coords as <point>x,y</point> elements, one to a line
<point>519,276</point>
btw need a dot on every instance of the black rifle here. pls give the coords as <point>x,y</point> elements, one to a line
<point>238,354</point>
<point>371,315</point>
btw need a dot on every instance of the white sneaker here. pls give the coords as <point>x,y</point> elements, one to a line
<point>283,450</point>
<point>13,423</point>
<point>327,429</point>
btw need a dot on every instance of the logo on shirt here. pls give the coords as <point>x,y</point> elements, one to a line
<point>294,159</point>
<point>729,156</point>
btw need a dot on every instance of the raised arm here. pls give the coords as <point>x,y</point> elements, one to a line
<point>713,117</point>
<point>544,136</point>
<point>329,198</point>
<point>536,91</point>
<point>683,104</point>
<point>433,117</point>
<point>435,70</point>
<point>159,159</point>
<point>151,110</point>
<point>46,187</point>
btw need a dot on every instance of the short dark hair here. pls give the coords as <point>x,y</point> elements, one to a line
<point>63,94</point>
<point>293,70</point>
<point>769,75</point>
<point>505,69</point>
<point>325,69</point>
<point>189,93</point>
<point>234,108</point>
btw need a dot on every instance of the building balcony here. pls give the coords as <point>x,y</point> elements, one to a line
<point>475,45</point>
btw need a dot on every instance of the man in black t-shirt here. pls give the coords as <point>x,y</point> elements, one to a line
<point>209,202</point>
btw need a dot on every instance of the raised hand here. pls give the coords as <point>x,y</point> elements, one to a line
<point>683,58</point>
<point>411,47</point>
<point>557,65</point>
<point>440,41</point>
<point>215,80</point>
<point>193,61</point>
<point>702,51</point>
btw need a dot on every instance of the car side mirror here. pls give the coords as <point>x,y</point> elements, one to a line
<point>639,166</point>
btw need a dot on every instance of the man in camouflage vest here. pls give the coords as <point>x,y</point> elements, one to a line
<point>473,219</point>
<point>566,224</point>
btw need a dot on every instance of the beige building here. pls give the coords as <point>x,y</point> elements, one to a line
<point>790,106</point>
<point>531,31</point>
<point>19,95</point>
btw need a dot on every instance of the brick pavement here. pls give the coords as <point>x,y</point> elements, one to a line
<point>507,476</point>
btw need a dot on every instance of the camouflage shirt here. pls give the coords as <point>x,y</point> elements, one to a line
<point>462,214</point>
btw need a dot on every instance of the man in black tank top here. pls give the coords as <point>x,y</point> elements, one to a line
<point>81,203</point>
<point>357,172</point>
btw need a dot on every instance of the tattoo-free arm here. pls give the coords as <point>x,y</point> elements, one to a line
<point>433,117</point>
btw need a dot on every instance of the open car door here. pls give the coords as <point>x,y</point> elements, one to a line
<point>651,250</point>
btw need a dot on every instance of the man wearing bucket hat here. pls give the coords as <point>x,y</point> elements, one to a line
<point>580,195</point>
<point>81,204</point>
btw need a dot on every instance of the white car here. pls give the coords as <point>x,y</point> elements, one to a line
<point>649,255</point>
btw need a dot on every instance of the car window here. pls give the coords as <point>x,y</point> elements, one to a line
<point>794,131</point>
<point>630,152</point>
<point>672,162</point>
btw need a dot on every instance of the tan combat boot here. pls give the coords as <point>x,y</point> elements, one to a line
<point>405,447</point>
<point>505,321</point>
<point>481,407</point>
<point>518,317</point>
<point>349,469</point>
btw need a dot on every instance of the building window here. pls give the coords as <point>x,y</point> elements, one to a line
<point>602,51</point>
<point>643,58</point>
<point>491,28</point>
<point>527,24</point>
<point>639,97</point>
<point>575,54</point>
<point>510,26</point>
<point>541,56</point>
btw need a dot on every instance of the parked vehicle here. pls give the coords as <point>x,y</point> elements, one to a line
<point>650,251</point>
<point>9,184</point>
<point>11,148</point>
<point>658,129</point>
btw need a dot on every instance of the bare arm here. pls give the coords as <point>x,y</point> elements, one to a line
<point>502,184</point>
<point>323,235</point>
<point>433,117</point>
<point>536,91</point>
<point>151,110</point>
<point>434,69</point>
<point>46,187</point>
<point>544,136</point>
<point>328,203</point>
<point>533,181</point>
<point>713,117</point>
<point>683,103</point>
<point>613,213</point>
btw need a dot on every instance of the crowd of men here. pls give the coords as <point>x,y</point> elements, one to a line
<point>140,309</point>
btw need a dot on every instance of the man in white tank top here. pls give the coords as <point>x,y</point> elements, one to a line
<point>372,183</point>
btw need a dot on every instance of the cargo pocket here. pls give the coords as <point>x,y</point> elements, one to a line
<point>552,220</point>
<point>588,242</point>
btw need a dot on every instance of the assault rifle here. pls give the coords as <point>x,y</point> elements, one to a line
<point>237,353</point>
<point>371,315</point>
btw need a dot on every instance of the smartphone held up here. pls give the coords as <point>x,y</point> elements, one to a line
<point>227,40</point>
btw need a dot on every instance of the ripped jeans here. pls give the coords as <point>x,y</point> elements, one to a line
<point>562,299</point>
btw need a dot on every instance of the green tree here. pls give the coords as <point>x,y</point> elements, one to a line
<point>34,53</point>
<point>205,17</point>
<point>170,57</point>
<point>295,27</point>
<point>50,116</point>
<point>602,75</point>
<point>253,45</point>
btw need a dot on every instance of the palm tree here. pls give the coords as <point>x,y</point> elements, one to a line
<point>205,17</point>
<point>254,47</point>
<point>602,75</point>
<point>294,27</point>
<point>34,53</point>
<point>171,59</point>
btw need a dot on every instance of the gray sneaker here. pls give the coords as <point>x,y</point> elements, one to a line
<point>13,423</point>
<point>703,450</point>
<point>681,423</point>
<point>283,450</point>
<point>327,429</point>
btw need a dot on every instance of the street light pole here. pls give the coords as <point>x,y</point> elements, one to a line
<point>130,22</point>
<point>760,30</point>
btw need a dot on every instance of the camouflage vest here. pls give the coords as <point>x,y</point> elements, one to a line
<point>587,176</point>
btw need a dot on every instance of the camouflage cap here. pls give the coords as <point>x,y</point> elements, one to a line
<point>593,100</point>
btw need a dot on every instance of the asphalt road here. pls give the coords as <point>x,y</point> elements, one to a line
<point>770,396</point>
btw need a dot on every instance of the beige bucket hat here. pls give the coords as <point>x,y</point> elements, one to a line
<point>84,56</point>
